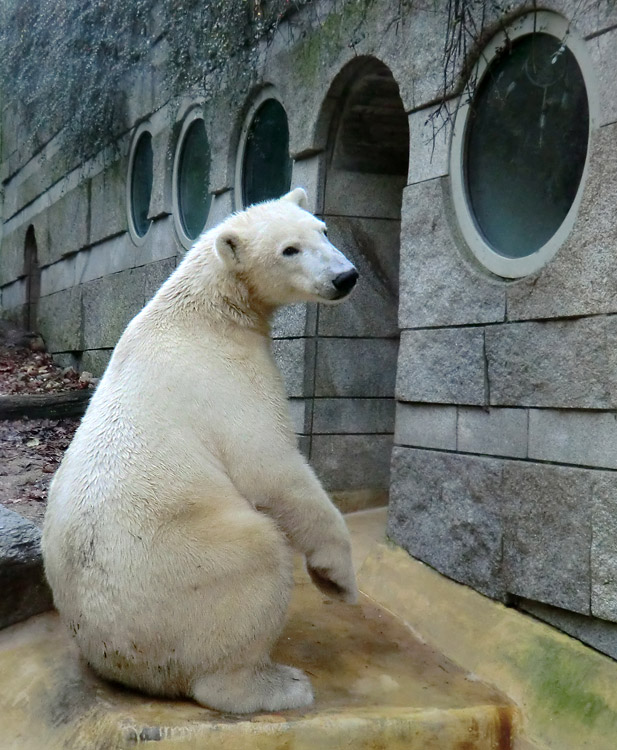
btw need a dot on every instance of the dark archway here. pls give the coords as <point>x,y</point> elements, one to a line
<point>364,173</point>
<point>32,273</point>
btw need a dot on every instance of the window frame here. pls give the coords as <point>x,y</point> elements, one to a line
<point>513,268</point>
<point>138,239</point>
<point>191,116</point>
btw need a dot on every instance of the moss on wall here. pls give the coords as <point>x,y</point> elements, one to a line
<point>72,65</point>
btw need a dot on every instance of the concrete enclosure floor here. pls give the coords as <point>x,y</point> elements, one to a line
<point>376,686</point>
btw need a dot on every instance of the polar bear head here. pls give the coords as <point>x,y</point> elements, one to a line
<point>282,253</point>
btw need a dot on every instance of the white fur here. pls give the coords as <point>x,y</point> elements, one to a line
<point>168,530</point>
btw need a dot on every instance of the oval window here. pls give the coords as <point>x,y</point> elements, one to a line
<point>526,144</point>
<point>266,165</point>
<point>193,178</point>
<point>523,150</point>
<point>141,184</point>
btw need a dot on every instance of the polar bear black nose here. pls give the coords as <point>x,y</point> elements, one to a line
<point>345,282</point>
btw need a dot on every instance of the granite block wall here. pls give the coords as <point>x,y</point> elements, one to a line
<point>503,471</point>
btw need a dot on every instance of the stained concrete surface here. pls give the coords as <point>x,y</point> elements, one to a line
<point>376,686</point>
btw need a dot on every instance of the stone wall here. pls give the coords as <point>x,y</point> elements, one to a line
<point>503,467</point>
<point>491,417</point>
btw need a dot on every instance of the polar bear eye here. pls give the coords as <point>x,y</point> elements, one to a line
<point>290,251</point>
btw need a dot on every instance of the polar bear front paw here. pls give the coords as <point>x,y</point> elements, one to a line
<point>333,574</point>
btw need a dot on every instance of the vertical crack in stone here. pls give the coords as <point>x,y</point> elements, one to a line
<point>487,381</point>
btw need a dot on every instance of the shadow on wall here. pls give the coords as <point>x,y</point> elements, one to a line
<point>32,273</point>
<point>365,171</point>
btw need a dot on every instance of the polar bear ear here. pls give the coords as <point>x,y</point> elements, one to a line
<point>297,196</point>
<point>226,247</point>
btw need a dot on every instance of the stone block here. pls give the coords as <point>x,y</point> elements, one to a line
<point>221,111</point>
<point>18,315</point>
<point>139,95</point>
<point>356,367</point>
<point>430,131</point>
<point>155,274</point>
<point>295,359</point>
<point>28,185</point>
<point>12,255</point>
<point>495,432</point>
<point>597,633</point>
<point>108,202</point>
<point>604,547</point>
<point>602,52</point>
<point>108,306</point>
<point>40,225</point>
<point>547,514</point>
<point>14,295</point>
<point>352,462</point>
<point>370,196</point>
<point>445,509</point>
<point>108,257</point>
<point>58,276</point>
<point>68,359</point>
<point>95,361</point>
<point>372,310</point>
<point>162,168</point>
<point>442,366</point>
<point>426,426</point>
<point>564,364</point>
<point>69,222</point>
<point>580,279</point>
<point>299,412</point>
<point>304,445</point>
<point>307,174</point>
<point>585,438</point>
<point>303,71</point>
<point>221,207</point>
<point>60,320</point>
<point>11,130</point>
<point>588,17</point>
<point>438,287</point>
<point>420,75</point>
<point>295,320</point>
<point>353,416</point>
<point>22,579</point>
<point>161,242</point>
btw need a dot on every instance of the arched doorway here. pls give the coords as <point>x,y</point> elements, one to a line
<point>32,273</point>
<point>364,173</point>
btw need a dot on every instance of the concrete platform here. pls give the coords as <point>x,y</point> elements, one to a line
<point>376,687</point>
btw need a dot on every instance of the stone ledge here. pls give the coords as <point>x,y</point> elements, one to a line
<point>22,581</point>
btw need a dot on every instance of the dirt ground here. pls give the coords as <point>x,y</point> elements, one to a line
<point>31,449</point>
<point>30,452</point>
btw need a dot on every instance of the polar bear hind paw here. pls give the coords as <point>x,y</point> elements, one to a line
<point>272,687</point>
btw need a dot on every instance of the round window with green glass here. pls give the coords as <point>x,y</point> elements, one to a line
<point>193,178</point>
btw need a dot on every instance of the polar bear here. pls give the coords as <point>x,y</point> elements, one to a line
<point>168,534</point>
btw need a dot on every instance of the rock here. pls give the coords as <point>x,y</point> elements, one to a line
<point>12,336</point>
<point>22,580</point>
